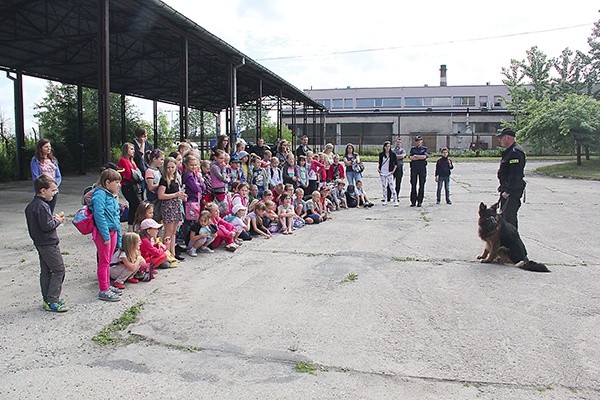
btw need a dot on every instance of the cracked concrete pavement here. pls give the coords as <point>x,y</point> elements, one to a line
<point>422,320</point>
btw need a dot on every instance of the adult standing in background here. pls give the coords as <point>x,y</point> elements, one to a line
<point>328,152</point>
<point>259,148</point>
<point>399,173</point>
<point>222,144</point>
<point>131,184</point>
<point>141,146</point>
<point>418,172</point>
<point>510,176</point>
<point>44,163</point>
<point>303,148</point>
<point>387,168</point>
<point>352,161</point>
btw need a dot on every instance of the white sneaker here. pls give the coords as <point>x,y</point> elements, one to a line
<point>206,249</point>
<point>384,202</point>
<point>396,203</point>
<point>192,252</point>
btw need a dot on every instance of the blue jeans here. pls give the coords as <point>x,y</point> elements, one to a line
<point>352,177</point>
<point>445,181</point>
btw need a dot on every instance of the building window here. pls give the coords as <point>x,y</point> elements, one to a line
<point>464,101</point>
<point>441,101</point>
<point>348,103</point>
<point>337,103</point>
<point>391,102</point>
<point>365,103</point>
<point>413,102</point>
<point>326,103</point>
<point>497,101</point>
<point>482,101</point>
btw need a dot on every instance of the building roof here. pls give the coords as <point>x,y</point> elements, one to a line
<point>57,40</point>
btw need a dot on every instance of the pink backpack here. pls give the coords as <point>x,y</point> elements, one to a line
<point>84,220</point>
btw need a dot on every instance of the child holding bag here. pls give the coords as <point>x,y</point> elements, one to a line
<point>107,230</point>
<point>153,252</point>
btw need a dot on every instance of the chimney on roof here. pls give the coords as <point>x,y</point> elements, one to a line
<point>443,81</point>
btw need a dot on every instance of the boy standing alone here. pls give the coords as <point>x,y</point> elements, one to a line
<point>42,229</point>
<point>442,175</point>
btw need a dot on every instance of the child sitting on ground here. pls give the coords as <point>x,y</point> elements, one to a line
<point>286,213</point>
<point>151,249</point>
<point>201,235</point>
<point>125,263</point>
<point>314,209</point>
<point>238,219</point>
<point>339,194</point>
<point>259,176</point>
<point>299,203</point>
<point>256,221</point>
<point>225,231</point>
<point>362,196</point>
<point>270,218</point>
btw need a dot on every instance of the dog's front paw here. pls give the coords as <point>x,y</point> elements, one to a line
<point>479,257</point>
<point>486,260</point>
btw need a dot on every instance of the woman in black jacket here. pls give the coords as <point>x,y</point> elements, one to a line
<point>386,168</point>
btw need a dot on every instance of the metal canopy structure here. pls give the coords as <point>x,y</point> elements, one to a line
<point>58,39</point>
<point>141,48</point>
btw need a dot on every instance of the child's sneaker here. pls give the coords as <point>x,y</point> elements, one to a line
<point>192,252</point>
<point>108,295</point>
<point>58,306</point>
<point>119,285</point>
<point>133,280</point>
<point>116,290</point>
<point>231,247</point>
<point>396,203</point>
<point>206,249</point>
<point>239,241</point>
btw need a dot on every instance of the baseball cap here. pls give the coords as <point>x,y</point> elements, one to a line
<point>112,165</point>
<point>507,131</point>
<point>150,223</point>
<point>418,137</point>
<point>242,154</point>
<point>238,207</point>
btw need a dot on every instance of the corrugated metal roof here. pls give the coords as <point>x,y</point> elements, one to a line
<point>56,39</point>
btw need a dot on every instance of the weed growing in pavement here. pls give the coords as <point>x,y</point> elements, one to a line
<point>305,367</point>
<point>349,278</point>
<point>107,335</point>
<point>189,349</point>
<point>403,259</point>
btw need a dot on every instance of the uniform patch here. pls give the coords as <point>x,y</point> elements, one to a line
<point>513,161</point>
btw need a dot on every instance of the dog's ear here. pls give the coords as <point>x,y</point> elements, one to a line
<point>494,207</point>
<point>482,207</point>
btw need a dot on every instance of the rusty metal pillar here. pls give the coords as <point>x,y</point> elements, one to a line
<point>184,104</point>
<point>80,129</point>
<point>104,81</point>
<point>19,124</point>
<point>123,120</point>
<point>155,122</point>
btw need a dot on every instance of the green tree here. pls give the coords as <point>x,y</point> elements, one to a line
<point>572,122</point>
<point>57,118</point>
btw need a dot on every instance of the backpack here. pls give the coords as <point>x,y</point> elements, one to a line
<point>351,200</point>
<point>84,220</point>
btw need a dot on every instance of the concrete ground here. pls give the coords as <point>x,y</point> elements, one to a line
<point>423,319</point>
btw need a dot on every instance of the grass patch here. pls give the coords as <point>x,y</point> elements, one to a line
<point>22,260</point>
<point>305,368</point>
<point>404,259</point>
<point>189,349</point>
<point>64,253</point>
<point>424,216</point>
<point>107,335</point>
<point>349,278</point>
<point>589,170</point>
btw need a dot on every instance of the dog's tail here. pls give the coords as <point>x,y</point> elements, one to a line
<point>533,266</point>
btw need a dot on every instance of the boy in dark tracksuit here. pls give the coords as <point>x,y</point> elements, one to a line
<point>442,175</point>
<point>42,229</point>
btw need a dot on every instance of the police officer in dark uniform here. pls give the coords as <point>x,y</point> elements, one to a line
<point>418,171</point>
<point>510,175</point>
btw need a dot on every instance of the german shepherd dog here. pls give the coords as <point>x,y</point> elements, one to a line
<point>502,241</point>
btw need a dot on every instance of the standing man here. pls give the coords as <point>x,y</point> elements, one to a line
<point>418,171</point>
<point>259,148</point>
<point>303,147</point>
<point>510,176</point>
<point>140,146</point>
<point>400,154</point>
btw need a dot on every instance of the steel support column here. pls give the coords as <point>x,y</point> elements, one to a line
<point>123,121</point>
<point>80,129</point>
<point>184,105</point>
<point>259,111</point>
<point>314,127</point>
<point>279,108</point>
<point>294,122</point>
<point>155,122</point>
<point>104,81</point>
<point>201,133</point>
<point>19,124</point>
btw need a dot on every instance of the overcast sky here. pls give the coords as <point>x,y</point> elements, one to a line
<point>335,43</point>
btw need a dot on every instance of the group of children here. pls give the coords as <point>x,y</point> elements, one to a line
<point>191,204</point>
